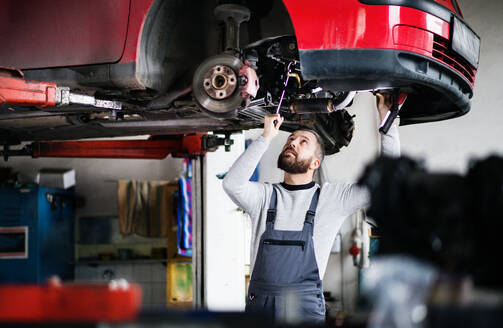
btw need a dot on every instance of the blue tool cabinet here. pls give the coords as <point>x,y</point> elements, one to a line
<point>36,234</point>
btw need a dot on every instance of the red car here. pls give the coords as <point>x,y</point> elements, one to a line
<point>177,67</point>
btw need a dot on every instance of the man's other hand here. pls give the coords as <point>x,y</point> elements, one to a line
<point>270,128</point>
<point>384,101</point>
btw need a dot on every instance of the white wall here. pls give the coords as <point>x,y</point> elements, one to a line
<point>451,144</point>
<point>224,235</point>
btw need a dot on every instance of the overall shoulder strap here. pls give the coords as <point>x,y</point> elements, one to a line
<point>312,207</point>
<point>271,212</point>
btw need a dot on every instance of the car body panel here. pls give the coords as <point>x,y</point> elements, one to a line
<point>350,24</point>
<point>59,33</point>
<point>160,44</point>
<point>448,4</point>
<point>380,44</point>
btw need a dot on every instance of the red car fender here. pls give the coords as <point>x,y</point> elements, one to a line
<point>137,16</point>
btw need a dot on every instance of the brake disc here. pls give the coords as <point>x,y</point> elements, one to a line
<point>215,86</point>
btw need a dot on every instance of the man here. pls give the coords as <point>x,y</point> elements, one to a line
<point>294,223</point>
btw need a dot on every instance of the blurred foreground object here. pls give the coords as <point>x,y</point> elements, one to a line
<point>117,301</point>
<point>439,233</point>
<point>450,220</point>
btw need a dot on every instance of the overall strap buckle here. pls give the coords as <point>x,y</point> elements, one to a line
<point>312,207</point>
<point>271,215</point>
<point>310,217</point>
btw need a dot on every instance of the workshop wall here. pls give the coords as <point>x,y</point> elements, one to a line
<point>96,181</point>
<point>97,178</point>
<point>451,144</point>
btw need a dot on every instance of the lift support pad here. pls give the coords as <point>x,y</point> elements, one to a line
<point>14,90</point>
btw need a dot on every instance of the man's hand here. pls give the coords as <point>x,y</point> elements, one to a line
<point>271,129</point>
<point>384,101</point>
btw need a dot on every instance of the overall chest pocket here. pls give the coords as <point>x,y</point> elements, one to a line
<point>299,243</point>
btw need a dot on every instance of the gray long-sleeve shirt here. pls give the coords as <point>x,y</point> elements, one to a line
<point>336,202</point>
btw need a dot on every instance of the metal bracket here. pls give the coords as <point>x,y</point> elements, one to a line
<point>212,142</point>
<point>8,152</point>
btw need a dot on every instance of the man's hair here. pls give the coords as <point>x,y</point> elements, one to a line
<point>320,150</point>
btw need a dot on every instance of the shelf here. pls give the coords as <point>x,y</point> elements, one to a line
<point>132,261</point>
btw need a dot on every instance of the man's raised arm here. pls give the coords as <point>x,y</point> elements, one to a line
<point>390,142</point>
<point>246,194</point>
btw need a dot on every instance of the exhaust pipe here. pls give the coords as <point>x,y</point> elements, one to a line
<point>310,106</point>
<point>321,105</point>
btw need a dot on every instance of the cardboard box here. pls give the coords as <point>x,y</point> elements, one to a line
<point>56,178</point>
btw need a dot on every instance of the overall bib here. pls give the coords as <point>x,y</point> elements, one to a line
<point>285,278</point>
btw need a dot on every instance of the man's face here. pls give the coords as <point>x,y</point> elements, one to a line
<point>298,153</point>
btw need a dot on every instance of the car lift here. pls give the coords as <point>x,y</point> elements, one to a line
<point>16,91</point>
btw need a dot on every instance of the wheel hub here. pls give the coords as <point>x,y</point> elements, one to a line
<point>220,82</point>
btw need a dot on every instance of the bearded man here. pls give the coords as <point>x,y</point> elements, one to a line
<point>294,223</point>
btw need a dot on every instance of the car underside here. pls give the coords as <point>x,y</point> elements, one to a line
<point>222,66</point>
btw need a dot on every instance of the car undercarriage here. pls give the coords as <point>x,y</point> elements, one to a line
<point>231,91</point>
<point>220,68</point>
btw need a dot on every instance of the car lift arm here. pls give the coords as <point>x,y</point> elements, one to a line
<point>176,145</point>
<point>16,91</point>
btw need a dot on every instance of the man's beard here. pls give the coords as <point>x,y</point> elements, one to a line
<point>292,165</point>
